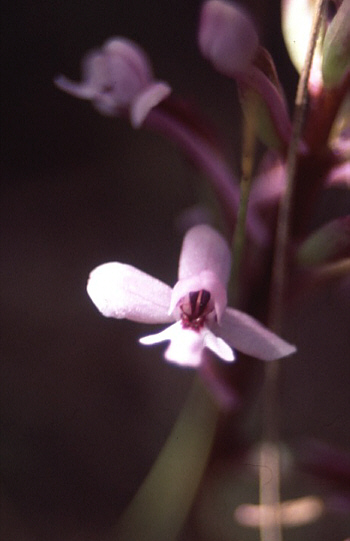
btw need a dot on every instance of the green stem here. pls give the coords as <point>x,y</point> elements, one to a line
<point>247,163</point>
<point>285,211</point>
<point>162,503</point>
<point>270,454</point>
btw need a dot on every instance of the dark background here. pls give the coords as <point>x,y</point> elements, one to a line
<point>85,409</point>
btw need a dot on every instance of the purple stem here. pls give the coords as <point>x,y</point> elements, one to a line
<point>206,158</point>
<point>256,80</point>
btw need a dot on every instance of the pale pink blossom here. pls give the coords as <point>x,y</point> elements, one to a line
<point>118,79</point>
<point>227,36</point>
<point>196,306</point>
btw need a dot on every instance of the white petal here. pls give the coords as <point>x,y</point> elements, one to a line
<point>166,334</point>
<point>146,100</point>
<point>218,346</point>
<point>122,291</point>
<point>204,249</point>
<point>246,334</point>
<point>185,346</point>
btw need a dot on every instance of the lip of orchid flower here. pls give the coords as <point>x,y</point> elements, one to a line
<point>118,78</point>
<point>196,306</point>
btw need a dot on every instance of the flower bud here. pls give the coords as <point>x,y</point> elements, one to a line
<point>336,47</point>
<point>297,22</point>
<point>296,27</point>
<point>227,37</point>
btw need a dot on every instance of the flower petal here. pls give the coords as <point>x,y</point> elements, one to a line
<point>227,36</point>
<point>246,334</point>
<point>166,334</point>
<point>133,56</point>
<point>146,101</point>
<point>82,90</point>
<point>185,348</point>
<point>339,176</point>
<point>297,20</point>
<point>186,345</point>
<point>122,291</point>
<point>204,249</point>
<point>218,346</point>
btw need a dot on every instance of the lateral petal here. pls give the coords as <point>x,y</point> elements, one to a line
<point>246,334</point>
<point>218,346</point>
<point>122,291</point>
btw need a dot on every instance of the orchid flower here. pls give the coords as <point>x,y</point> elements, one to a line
<point>118,79</point>
<point>196,307</point>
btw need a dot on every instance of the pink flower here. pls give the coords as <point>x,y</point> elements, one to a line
<point>196,307</point>
<point>227,37</point>
<point>118,79</point>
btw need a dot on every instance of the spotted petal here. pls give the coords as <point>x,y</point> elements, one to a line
<point>246,334</point>
<point>122,291</point>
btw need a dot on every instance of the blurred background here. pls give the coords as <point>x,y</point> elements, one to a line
<point>85,409</point>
